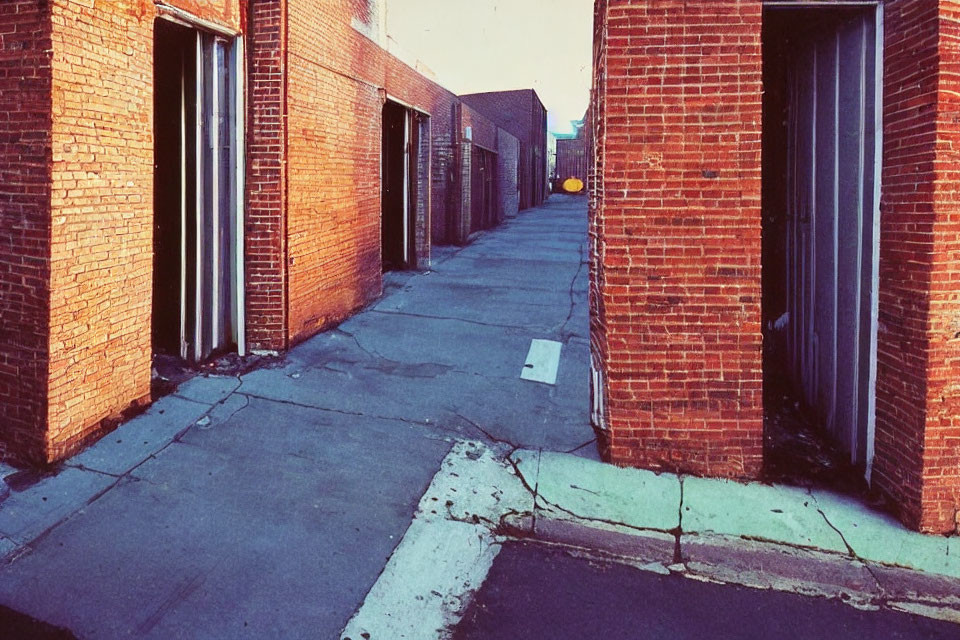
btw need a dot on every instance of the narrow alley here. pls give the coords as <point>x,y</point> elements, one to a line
<point>267,505</point>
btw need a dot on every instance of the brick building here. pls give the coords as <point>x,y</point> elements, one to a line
<point>775,199</point>
<point>572,157</point>
<point>197,177</point>
<point>521,114</point>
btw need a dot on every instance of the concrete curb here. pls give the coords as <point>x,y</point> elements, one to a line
<point>759,565</point>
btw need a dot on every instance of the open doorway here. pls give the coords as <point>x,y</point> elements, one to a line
<point>399,187</point>
<point>483,212</point>
<point>821,185</point>
<point>198,219</point>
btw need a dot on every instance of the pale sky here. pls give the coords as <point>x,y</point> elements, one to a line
<point>492,45</point>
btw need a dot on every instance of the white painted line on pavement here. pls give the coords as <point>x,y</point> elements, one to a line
<point>446,552</point>
<point>543,359</point>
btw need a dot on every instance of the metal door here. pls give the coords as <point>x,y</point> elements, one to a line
<point>832,245</point>
<point>212,287</point>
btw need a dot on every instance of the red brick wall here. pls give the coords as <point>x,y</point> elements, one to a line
<point>918,401</point>
<point>941,452</point>
<point>596,132</point>
<point>265,231</point>
<point>25,161</point>
<point>102,215</point>
<point>96,271</point>
<point>337,82</point>
<point>678,213</point>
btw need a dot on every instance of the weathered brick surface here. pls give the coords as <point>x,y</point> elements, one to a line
<point>941,452</point>
<point>675,254</point>
<point>76,197</point>
<point>102,214</point>
<point>508,157</point>
<point>25,164</point>
<point>337,82</point>
<point>676,234</point>
<point>918,401</point>
<point>265,231</point>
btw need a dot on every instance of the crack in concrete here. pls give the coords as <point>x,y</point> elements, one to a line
<point>451,319</point>
<point>849,547</point>
<point>563,327</point>
<point>677,551</point>
<point>489,436</point>
<point>581,446</point>
<point>359,414</point>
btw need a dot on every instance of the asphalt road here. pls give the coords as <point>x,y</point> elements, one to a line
<point>535,592</point>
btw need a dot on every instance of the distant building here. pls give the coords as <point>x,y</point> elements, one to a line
<point>522,114</point>
<point>572,157</point>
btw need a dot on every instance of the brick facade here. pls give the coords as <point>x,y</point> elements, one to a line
<point>675,222</point>
<point>521,114</point>
<point>676,284</point>
<point>25,168</point>
<point>508,158</point>
<point>77,194</point>
<point>572,159</point>
<point>265,231</point>
<point>918,401</point>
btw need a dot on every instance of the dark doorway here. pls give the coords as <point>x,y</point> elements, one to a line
<point>174,134</point>
<point>399,188</point>
<point>483,205</point>
<point>821,128</point>
<point>198,240</point>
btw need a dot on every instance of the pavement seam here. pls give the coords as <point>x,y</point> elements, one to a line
<point>476,322</point>
<point>27,546</point>
<point>849,547</point>
<point>563,326</point>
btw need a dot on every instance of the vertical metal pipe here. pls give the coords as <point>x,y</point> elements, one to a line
<point>406,186</point>
<point>216,47</point>
<point>183,205</point>
<point>239,167</point>
<point>875,239</point>
<point>198,217</point>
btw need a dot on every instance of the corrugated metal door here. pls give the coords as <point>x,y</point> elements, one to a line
<point>832,230</point>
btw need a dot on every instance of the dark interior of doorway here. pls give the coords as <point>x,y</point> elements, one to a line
<point>398,189</point>
<point>483,208</point>
<point>797,450</point>
<point>174,177</point>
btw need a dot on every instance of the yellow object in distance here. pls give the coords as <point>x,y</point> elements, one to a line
<point>573,185</point>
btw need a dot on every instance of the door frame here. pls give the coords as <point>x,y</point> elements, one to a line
<point>878,9</point>
<point>235,66</point>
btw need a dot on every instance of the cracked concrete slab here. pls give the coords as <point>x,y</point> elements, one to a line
<point>570,487</point>
<point>880,538</point>
<point>135,441</point>
<point>787,515</point>
<point>525,414</point>
<point>501,306</point>
<point>271,525</point>
<point>783,568</point>
<point>26,514</point>
<point>475,485</point>
<point>413,600</point>
<point>489,351</point>
<point>208,389</point>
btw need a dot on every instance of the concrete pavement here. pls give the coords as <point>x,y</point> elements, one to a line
<point>266,505</point>
<point>367,484</point>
